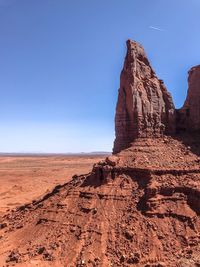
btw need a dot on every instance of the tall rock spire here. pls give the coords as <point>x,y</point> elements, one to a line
<point>145,107</point>
<point>188,117</point>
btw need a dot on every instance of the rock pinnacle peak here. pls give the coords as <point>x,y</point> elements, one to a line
<point>145,107</point>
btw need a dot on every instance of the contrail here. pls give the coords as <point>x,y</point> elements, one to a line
<point>156,28</point>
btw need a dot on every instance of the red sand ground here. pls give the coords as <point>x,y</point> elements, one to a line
<point>138,208</point>
<point>23,179</point>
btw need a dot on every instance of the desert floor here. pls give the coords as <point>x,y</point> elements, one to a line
<point>24,178</point>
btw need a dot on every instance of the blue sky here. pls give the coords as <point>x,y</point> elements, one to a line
<point>60,62</point>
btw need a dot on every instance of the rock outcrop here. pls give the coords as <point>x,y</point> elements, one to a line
<point>188,117</point>
<point>145,107</point>
<point>139,207</point>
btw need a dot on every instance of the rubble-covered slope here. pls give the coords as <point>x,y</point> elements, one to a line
<point>124,213</point>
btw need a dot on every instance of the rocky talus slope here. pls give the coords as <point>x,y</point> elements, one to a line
<point>138,207</point>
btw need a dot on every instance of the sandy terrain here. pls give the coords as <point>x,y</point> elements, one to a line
<point>139,207</point>
<point>24,178</point>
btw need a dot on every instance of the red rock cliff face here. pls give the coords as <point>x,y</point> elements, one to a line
<point>145,107</point>
<point>188,117</point>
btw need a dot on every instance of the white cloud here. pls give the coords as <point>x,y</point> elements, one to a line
<point>156,28</point>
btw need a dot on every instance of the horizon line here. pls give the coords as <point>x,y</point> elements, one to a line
<point>54,153</point>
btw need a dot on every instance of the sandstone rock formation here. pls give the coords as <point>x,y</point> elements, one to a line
<point>188,117</point>
<point>139,207</point>
<point>145,107</point>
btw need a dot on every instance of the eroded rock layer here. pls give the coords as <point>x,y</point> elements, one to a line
<point>145,107</point>
<point>140,207</point>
